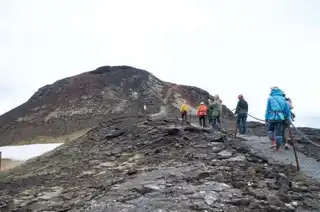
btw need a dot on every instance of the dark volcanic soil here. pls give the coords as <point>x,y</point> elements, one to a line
<point>138,164</point>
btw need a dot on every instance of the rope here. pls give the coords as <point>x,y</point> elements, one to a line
<point>256,118</point>
<point>252,117</point>
<point>304,136</point>
<point>296,129</point>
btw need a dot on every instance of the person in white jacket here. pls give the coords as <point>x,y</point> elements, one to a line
<point>287,124</point>
<point>290,103</point>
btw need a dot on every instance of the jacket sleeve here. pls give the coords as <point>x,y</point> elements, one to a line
<point>287,111</point>
<point>247,106</point>
<point>267,109</point>
<point>214,104</point>
<point>237,108</point>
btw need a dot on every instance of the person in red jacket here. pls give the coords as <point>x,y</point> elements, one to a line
<point>202,112</point>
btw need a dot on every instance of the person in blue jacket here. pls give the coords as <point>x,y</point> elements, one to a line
<point>277,113</point>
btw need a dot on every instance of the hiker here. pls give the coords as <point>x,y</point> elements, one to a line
<point>277,112</point>
<point>184,111</point>
<point>287,123</point>
<point>202,112</point>
<point>242,114</point>
<point>217,112</point>
<point>289,101</point>
<point>210,111</point>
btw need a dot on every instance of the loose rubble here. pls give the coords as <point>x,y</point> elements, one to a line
<point>138,164</point>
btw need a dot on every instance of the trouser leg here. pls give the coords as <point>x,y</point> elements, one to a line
<point>270,132</point>
<point>201,121</point>
<point>214,121</point>
<point>243,125</point>
<point>218,122</point>
<point>279,133</point>
<point>286,132</point>
<point>271,128</point>
<point>184,116</point>
<point>204,121</point>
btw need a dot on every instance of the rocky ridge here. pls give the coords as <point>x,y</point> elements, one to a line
<point>147,164</point>
<point>75,104</point>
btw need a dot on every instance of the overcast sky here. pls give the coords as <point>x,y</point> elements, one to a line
<point>226,47</point>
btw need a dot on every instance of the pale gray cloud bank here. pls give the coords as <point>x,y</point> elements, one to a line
<point>225,47</point>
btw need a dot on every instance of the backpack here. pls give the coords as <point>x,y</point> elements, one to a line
<point>282,111</point>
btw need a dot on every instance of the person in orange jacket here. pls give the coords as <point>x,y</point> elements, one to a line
<point>202,113</point>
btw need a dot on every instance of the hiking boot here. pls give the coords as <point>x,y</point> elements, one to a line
<point>273,144</point>
<point>286,146</point>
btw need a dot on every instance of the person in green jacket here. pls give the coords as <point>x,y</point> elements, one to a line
<point>210,111</point>
<point>217,112</point>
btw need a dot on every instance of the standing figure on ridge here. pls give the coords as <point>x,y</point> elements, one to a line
<point>184,111</point>
<point>210,111</point>
<point>217,112</point>
<point>287,123</point>
<point>242,114</point>
<point>277,111</point>
<point>202,113</point>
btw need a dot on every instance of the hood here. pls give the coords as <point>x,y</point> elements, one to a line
<point>276,92</point>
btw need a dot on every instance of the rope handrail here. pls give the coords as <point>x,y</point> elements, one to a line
<point>256,118</point>
<point>303,135</point>
<point>294,127</point>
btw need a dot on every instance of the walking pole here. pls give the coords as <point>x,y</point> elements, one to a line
<point>294,150</point>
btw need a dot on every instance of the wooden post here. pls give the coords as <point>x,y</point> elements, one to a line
<point>294,150</point>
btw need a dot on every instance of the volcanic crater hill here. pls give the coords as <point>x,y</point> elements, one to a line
<point>138,163</point>
<point>73,105</point>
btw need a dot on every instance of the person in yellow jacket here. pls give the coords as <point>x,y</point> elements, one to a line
<point>184,111</point>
